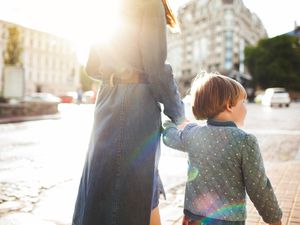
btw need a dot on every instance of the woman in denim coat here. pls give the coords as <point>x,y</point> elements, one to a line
<point>120,181</point>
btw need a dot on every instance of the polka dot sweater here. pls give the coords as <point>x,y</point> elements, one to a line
<point>225,163</point>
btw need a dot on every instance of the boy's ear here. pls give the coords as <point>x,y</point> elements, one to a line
<point>228,107</point>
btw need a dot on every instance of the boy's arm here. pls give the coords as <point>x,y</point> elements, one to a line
<point>173,137</point>
<point>257,184</point>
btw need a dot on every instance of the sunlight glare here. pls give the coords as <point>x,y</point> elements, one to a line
<point>98,20</point>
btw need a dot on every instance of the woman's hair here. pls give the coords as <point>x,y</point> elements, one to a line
<point>211,92</point>
<point>170,17</point>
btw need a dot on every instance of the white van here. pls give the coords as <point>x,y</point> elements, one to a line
<point>276,97</point>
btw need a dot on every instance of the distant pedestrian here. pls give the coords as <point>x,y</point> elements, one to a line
<point>79,96</point>
<point>224,161</point>
<point>120,183</point>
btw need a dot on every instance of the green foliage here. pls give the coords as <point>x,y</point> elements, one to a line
<point>13,47</point>
<point>275,62</point>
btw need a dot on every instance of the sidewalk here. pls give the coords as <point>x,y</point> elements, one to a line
<point>285,178</point>
<point>56,205</point>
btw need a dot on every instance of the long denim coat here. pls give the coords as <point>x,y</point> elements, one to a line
<point>120,174</point>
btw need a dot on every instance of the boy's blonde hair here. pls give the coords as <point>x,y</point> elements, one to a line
<point>211,92</point>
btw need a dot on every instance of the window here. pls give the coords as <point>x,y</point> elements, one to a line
<point>228,64</point>
<point>228,50</point>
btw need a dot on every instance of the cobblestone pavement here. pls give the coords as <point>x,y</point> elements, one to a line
<point>41,162</point>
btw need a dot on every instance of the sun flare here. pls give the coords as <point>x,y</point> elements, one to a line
<point>97,21</point>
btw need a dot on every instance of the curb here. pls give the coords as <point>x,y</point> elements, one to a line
<point>16,119</point>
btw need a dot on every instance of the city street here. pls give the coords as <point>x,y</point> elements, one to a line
<point>41,161</point>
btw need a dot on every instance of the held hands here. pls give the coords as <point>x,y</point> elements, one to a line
<point>183,124</point>
<point>168,124</point>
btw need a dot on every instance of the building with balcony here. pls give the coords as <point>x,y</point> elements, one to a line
<point>214,34</point>
<point>49,62</point>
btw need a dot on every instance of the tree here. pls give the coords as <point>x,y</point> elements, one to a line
<point>275,62</point>
<point>13,47</point>
<point>13,85</point>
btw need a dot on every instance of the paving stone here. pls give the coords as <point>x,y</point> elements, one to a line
<point>10,206</point>
<point>23,219</point>
<point>27,208</point>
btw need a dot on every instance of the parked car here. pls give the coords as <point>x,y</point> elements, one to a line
<point>187,100</point>
<point>276,97</point>
<point>43,97</point>
<point>66,99</point>
<point>258,97</point>
<point>89,97</point>
<point>69,97</point>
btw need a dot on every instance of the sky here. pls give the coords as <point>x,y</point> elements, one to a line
<point>73,19</point>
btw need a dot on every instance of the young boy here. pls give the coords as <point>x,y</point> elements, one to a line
<point>224,161</point>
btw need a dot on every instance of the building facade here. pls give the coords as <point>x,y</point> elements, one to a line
<point>49,62</point>
<point>295,32</point>
<point>213,36</point>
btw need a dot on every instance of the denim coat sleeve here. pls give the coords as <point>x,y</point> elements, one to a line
<point>93,63</point>
<point>153,46</point>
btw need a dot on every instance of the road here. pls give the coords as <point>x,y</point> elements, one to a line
<point>41,161</point>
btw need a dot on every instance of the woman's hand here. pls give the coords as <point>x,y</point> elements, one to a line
<point>183,124</point>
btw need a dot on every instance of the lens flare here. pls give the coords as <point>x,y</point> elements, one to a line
<point>192,173</point>
<point>210,205</point>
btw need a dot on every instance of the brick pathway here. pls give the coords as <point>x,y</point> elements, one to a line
<point>285,178</point>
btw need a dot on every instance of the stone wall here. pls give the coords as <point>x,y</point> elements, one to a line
<point>27,109</point>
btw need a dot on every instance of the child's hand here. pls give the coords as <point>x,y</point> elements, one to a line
<point>183,124</point>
